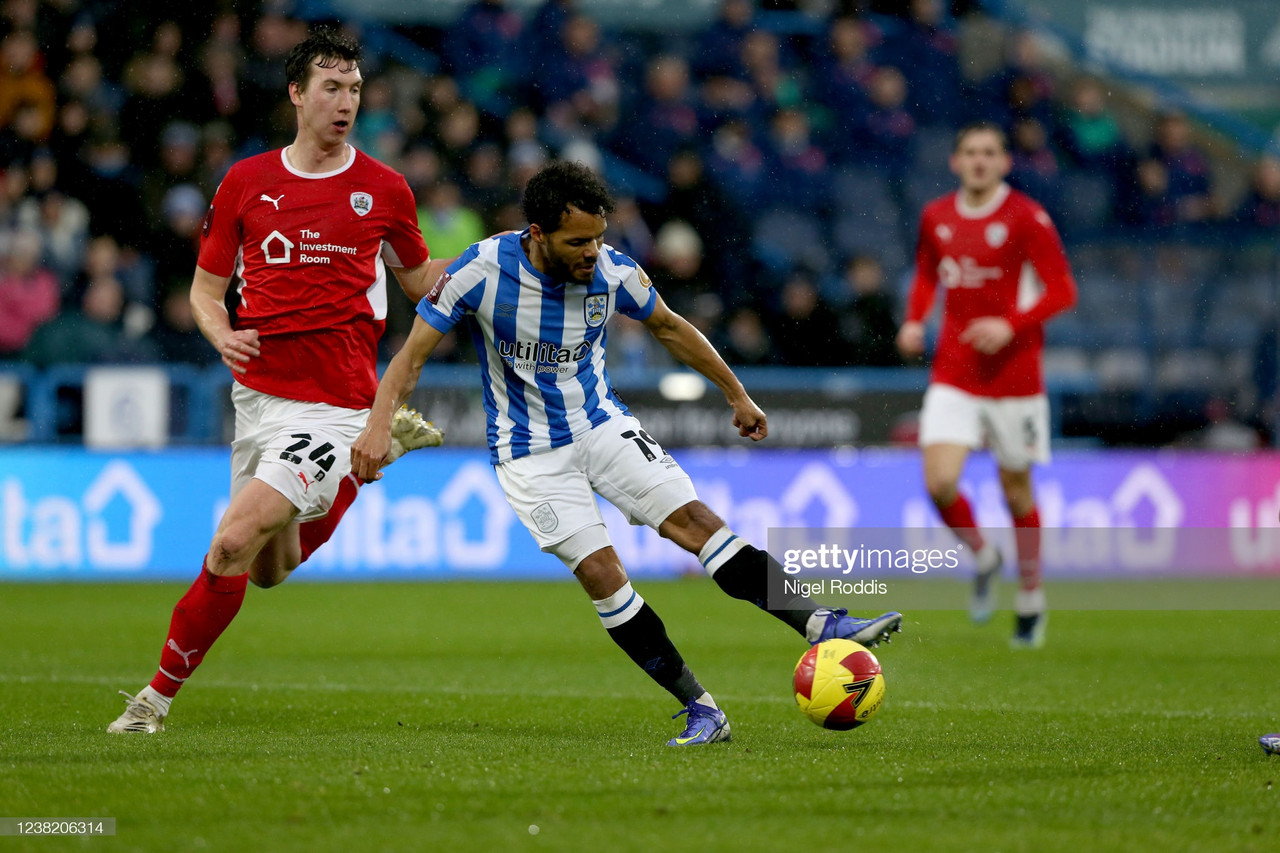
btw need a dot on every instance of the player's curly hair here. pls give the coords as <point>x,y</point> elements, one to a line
<point>549,194</point>
<point>324,47</point>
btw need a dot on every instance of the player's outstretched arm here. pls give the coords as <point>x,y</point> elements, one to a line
<point>369,453</point>
<point>416,281</point>
<point>688,346</point>
<point>236,346</point>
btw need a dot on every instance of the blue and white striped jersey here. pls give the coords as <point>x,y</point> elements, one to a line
<point>541,343</point>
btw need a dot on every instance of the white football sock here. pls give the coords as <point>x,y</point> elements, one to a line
<point>1029,602</point>
<point>156,698</point>
<point>705,699</point>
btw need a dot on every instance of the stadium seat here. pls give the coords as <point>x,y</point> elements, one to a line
<point>1086,202</point>
<point>1067,363</point>
<point>1123,368</point>
<point>1195,369</point>
<point>856,191</point>
<point>783,239</point>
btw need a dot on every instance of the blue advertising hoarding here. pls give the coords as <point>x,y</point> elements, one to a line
<point>70,514</point>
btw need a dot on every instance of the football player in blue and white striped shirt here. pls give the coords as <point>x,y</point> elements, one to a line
<point>558,434</point>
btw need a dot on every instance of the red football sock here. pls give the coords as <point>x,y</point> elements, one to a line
<point>313,534</point>
<point>1028,536</point>
<point>199,618</point>
<point>959,517</point>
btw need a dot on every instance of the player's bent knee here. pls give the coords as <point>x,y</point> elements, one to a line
<point>601,573</point>
<point>691,525</point>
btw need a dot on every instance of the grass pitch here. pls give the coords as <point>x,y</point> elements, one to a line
<point>494,716</point>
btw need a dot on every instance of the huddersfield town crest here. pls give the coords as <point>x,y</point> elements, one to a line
<point>594,309</point>
<point>361,203</point>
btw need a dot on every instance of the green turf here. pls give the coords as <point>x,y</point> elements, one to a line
<point>460,716</point>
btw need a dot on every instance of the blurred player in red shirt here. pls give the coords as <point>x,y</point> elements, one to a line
<point>1001,264</point>
<point>306,233</point>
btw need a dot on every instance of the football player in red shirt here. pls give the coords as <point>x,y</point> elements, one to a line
<point>306,233</point>
<point>1001,265</point>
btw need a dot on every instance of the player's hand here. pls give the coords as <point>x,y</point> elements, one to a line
<point>988,335</point>
<point>369,454</point>
<point>238,347</point>
<point>750,420</point>
<point>911,339</point>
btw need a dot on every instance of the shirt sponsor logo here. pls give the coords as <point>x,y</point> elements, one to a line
<point>965,272</point>
<point>361,203</point>
<point>542,357</point>
<point>594,309</point>
<point>277,248</point>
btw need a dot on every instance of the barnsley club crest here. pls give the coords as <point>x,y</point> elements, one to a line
<point>594,309</point>
<point>361,203</point>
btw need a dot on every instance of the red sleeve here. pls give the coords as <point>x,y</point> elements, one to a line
<point>1044,250</point>
<point>221,236</point>
<point>925,282</point>
<point>408,249</point>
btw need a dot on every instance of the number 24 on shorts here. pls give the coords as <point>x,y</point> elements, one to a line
<point>290,453</point>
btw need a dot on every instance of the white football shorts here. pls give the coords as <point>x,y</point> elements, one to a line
<point>553,493</point>
<point>1015,428</point>
<point>302,450</point>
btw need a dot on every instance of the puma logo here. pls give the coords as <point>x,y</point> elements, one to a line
<point>275,202</point>
<point>306,484</point>
<point>186,656</point>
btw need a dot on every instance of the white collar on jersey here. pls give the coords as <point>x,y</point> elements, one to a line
<point>1002,192</point>
<point>351,158</point>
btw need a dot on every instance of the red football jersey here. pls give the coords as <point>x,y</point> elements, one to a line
<point>1002,260</point>
<point>307,252</point>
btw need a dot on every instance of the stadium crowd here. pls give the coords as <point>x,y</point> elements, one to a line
<point>771,169</point>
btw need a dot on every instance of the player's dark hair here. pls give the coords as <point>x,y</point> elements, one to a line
<point>324,47</point>
<point>549,194</point>
<point>981,127</point>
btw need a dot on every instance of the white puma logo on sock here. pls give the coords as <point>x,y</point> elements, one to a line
<point>186,656</point>
<point>275,202</point>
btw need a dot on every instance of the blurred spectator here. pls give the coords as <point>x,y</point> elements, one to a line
<point>805,331</point>
<point>23,85</point>
<point>1149,203</point>
<point>177,336</point>
<point>176,243</point>
<point>664,120</point>
<point>629,233</point>
<point>458,131</point>
<point>179,163</point>
<point>83,81</point>
<point>263,80</point>
<point>691,197</point>
<point>925,50</point>
<point>583,90</point>
<point>843,77</point>
<point>484,51</point>
<point>448,225</point>
<point>677,265</point>
<point>28,292</point>
<point>154,81</point>
<point>738,164</point>
<point>720,45</point>
<point>377,116</point>
<point>745,343</point>
<point>1186,168</point>
<point>795,161</point>
<point>890,130</point>
<point>1022,88</point>
<point>775,87</point>
<point>1035,168</point>
<point>91,335</point>
<point>62,222</point>
<point>868,316</point>
<point>485,181</point>
<point>1261,207</point>
<point>1088,132</point>
<point>218,156</point>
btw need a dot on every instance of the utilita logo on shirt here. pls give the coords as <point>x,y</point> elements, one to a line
<point>540,356</point>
